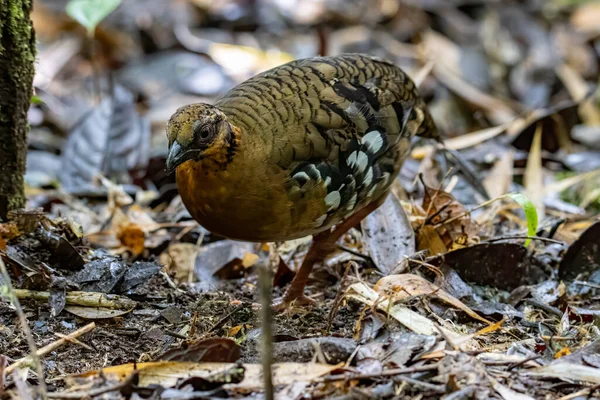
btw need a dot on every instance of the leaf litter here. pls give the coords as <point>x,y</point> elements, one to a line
<point>441,293</point>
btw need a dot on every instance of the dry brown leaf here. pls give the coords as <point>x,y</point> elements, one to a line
<point>234,330</point>
<point>249,259</point>
<point>404,286</point>
<point>451,220</point>
<point>180,258</point>
<point>9,230</point>
<point>429,239</point>
<point>168,373</point>
<point>132,237</point>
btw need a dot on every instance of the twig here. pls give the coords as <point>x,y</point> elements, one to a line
<point>523,361</point>
<point>30,342</point>
<point>265,280</point>
<point>542,239</point>
<point>389,372</point>
<point>74,341</point>
<point>96,392</point>
<point>545,307</point>
<point>51,347</point>
<point>583,392</point>
<point>223,320</point>
<point>86,299</point>
<point>354,252</point>
<point>424,385</point>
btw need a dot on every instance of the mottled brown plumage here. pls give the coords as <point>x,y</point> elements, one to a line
<point>297,150</point>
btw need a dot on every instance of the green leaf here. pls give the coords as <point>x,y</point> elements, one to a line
<point>90,13</point>
<point>36,100</point>
<point>530,213</point>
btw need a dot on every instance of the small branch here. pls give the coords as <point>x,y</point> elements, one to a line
<point>389,372</point>
<point>542,239</point>
<point>265,279</point>
<point>51,347</point>
<point>85,299</point>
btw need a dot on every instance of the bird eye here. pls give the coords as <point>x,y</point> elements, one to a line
<point>203,132</point>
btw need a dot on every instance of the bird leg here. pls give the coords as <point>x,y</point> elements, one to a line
<point>323,244</point>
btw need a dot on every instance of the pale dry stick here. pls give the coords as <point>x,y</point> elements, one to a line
<point>389,372</point>
<point>583,392</point>
<point>51,347</point>
<point>30,342</point>
<point>74,341</point>
<point>423,73</point>
<point>86,299</point>
<point>265,279</point>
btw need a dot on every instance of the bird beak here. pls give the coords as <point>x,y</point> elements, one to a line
<point>174,158</point>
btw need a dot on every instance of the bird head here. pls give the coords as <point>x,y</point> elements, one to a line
<point>196,131</point>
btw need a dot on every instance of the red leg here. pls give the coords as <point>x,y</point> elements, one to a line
<point>323,244</point>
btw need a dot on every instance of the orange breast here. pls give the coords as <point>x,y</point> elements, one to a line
<point>242,203</point>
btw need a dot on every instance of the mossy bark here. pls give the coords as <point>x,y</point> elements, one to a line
<point>17,58</point>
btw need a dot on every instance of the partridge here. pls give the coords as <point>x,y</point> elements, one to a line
<point>307,148</point>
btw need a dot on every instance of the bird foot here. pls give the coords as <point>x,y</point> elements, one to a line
<point>286,302</point>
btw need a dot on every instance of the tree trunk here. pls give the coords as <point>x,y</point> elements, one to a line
<point>17,57</point>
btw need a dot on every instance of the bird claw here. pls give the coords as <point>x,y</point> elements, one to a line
<point>285,303</point>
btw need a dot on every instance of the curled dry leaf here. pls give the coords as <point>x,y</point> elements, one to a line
<point>180,259</point>
<point>404,286</point>
<point>447,225</point>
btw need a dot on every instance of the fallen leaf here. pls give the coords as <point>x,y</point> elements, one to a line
<point>222,350</point>
<point>167,373</point>
<point>583,256</point>
<point>404,286</point>
<point>412,320</point>
<point>249,259</point>
<point>132,237</point>
<point>502,265</point>
<point>451,219</point>
<point>111,140</point>
<point>180,259</point>
<point>388,234</point>
<point>95,313</point>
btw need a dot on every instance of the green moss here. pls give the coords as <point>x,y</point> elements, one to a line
<point>17,60</point>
